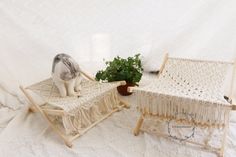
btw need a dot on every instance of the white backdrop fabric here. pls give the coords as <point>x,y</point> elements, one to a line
<point>32,32</point>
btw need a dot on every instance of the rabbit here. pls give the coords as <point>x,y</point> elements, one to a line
<point>66,75</point>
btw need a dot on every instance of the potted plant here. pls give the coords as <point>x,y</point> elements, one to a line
<point>120,69</point>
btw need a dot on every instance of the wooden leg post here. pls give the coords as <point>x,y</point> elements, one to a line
<point>208,138</point>
<point>68,144</point>
<point>125,104</point>
<point>224,137</point>
<point>46,117</point>
<point>31,108</point>
<point>138,125</point>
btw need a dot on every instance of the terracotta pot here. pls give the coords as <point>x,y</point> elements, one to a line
<point>123,89</point>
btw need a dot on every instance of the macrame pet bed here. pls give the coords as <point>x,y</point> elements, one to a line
<point>187,86</point>
<point>71,117</point>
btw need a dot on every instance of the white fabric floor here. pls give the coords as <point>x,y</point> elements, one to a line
<point>27,134</point>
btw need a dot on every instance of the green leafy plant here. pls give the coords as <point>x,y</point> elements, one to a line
<point>129,69</point>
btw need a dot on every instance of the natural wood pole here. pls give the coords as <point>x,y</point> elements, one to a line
<point>54,112</point>
<point>31,109</point>
<point>87,75</point>
<point>138,125</point>
<point>126,105</point>
<point>232,80</point>
<point>204,146</point>
<point>45,116</point>
<point>218,151</point>
<point>94,124</point>
<point>48,111</point>
<point>226,128</point>
<point>233,107</point>
<point>163,64</point>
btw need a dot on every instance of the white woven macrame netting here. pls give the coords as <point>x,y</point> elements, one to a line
<point>187,86</point>
<point>96,100</point>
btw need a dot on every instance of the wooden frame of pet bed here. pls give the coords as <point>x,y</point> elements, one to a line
<point>205,145</point>
<point>46,113</point>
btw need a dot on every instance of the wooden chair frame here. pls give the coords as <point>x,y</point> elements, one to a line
<point>45,112</point>
<point>205,145</point>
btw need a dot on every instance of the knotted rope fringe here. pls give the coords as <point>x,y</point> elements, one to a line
<point>172,107</point>
<point>187,86</point>
<point>84,116</point>
<point>96,100</point>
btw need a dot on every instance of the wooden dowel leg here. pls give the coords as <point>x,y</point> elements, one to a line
<point>206,141</point>
<point>126,105</point>
<point>138,125</point>
<point>94,124</point>
<point>68,144</point>
<point>224,136</point>
<point>32,109</point>
<point>87,75</point>
<point>46,117</point>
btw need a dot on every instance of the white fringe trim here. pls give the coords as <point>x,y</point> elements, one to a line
<point>170,107</point>
<point>85,115</point>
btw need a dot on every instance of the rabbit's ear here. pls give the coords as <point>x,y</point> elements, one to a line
<point>72,65</point>
<point>59,57</point>
<point>77,67</point>
<point>66,76</point>
<point>55,61</point>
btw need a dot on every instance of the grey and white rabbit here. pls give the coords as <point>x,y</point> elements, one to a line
<point>66,75</point>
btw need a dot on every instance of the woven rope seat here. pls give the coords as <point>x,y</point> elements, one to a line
<point>193,88</point>
<point>91,90</point>
<point>187,86</point>
<point>78,114</point>
<point>191,79</point>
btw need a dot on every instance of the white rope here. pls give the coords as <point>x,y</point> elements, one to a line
<point>190,86</point>
<point>96,100</point>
